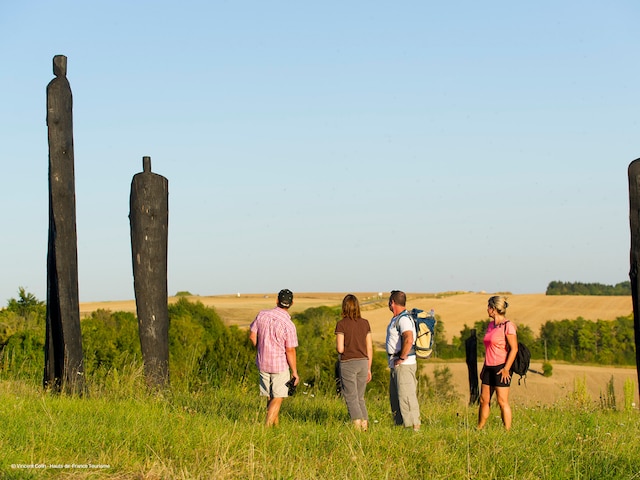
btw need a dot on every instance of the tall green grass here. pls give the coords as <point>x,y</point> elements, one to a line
<point>119,430</point>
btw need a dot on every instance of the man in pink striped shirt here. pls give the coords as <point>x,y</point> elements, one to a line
<point>275,336</point>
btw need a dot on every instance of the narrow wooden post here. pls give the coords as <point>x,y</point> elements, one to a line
<point>471,347</point>
<point>149,219</point>
<point>63,367</point>
<point>634,221</point>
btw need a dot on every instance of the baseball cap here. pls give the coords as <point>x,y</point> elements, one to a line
<point>285,297</point>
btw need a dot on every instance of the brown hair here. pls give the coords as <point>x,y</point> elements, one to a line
<point>350,307</point>
<point>400,298</point>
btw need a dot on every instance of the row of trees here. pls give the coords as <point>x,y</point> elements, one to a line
<point>606,342</point>
<point>203,350</point>
<point>579,288</point>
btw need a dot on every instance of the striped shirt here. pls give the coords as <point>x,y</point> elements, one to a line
<point>275,333</point>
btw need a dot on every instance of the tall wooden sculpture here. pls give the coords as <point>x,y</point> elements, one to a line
<point>63,345</point>
<point>149,218</point>
<point>634,220</point>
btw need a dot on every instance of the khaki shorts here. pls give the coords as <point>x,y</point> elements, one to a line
<point>273,385</point>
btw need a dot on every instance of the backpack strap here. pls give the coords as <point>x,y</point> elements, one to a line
<point>503,326</point>
<point>406,313</point>
<point>505,333</point>
<point>508,347</point>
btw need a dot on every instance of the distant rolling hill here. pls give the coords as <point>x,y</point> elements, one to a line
<point>454,309</point>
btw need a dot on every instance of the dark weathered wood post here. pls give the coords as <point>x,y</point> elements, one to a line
<point>149,219</point>
<point>63,367</point>
<point>471,347</point>
<point>634,221</point>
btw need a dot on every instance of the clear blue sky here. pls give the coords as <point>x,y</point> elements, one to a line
<point>329,146</point>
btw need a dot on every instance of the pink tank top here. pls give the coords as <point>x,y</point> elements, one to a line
<point>495,342</point>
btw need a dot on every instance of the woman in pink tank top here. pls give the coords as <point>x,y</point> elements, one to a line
<point>501,346</point>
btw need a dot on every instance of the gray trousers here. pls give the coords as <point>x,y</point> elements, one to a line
<point>403,395</point>
<point>353,376</point>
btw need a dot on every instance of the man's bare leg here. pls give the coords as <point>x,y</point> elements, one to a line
<point>273,410</point>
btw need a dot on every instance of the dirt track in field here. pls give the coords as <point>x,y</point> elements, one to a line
<point>537,390</point>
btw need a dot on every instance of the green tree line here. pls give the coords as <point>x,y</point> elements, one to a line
<point>579,288</point>
<point>606,342</point>
<point>203,350</point>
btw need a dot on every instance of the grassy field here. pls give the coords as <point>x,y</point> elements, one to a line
<point>561,427</point>
<point>121,432</point>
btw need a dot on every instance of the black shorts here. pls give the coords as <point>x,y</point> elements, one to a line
<point>489,376</point>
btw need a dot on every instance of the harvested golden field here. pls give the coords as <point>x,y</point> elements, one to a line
<point>455,310</point>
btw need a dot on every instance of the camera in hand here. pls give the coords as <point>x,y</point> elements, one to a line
<point>291,386</point>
